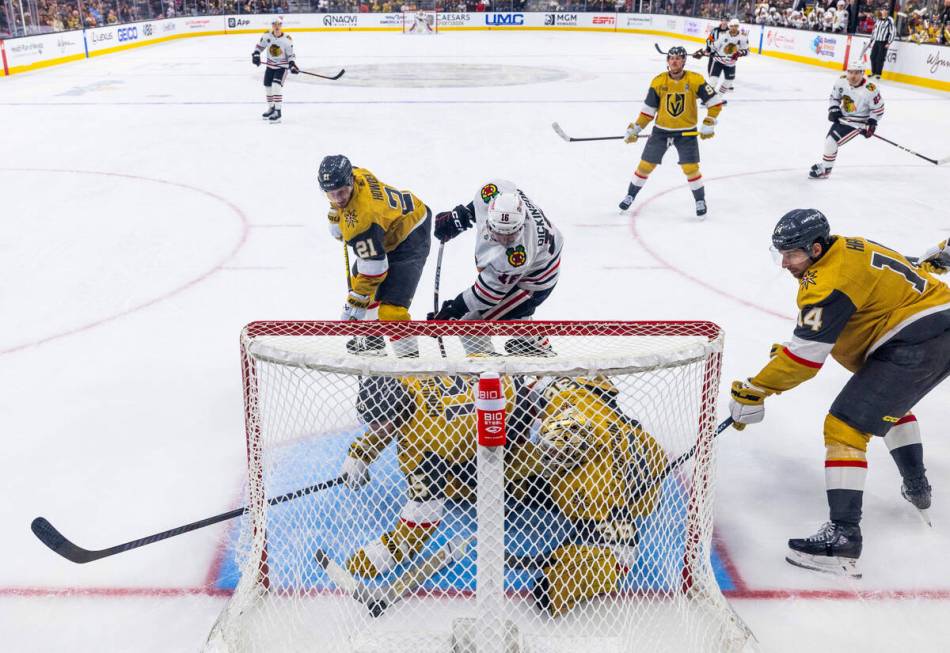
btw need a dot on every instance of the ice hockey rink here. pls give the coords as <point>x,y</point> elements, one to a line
<point>149,213</point>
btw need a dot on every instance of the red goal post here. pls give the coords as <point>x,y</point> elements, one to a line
<point>655,385</point>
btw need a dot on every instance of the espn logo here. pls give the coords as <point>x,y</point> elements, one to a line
<point>604,20</point>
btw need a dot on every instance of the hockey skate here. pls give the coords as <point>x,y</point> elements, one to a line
<point>819,171</point>
<point>529,346</point>
<point>274,117</point>
<point>701,208</point>
<point>367,346</point>
<point>917,491</point>
<point>626,202</point>
<point>834,549</point>
<point>267,114</point>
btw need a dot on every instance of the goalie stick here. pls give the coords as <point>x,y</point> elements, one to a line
<point>435,292</point>
<point>570,139</point>
<point>58,543</point>
<point>330,77</point>
<point>378,599</point>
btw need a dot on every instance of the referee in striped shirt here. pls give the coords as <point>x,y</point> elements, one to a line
<point>881,39</point>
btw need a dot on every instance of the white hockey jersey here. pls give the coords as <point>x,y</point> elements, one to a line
<point>857,103</point>
<point>279,49</point>
<point>841,20</point>
<point>728,48</point>
<point>532,263</point>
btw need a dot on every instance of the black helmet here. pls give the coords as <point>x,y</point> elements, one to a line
<point>676,51</point>
<point>800,229</point>
<point>384,399</point>
<point>335,172</point>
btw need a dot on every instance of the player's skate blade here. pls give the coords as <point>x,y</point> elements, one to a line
<point>818,172</point>
<point>367,346</point>
<point>835,565</point>
<point>918,492</point>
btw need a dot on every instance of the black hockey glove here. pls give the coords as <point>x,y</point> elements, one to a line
<point>452,309</point>
<point>871,128</point>
<point>834,114</point>
<point>256,58</point>
<point>293,67</point>
<point>450,224</point>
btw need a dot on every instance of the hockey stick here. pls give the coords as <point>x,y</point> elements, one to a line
<point>936,162</point>
<point>346,262</point>
<point>435,293</point>
<point>570,139</point>
<point>337,76</point>
<point>55,540</point>
<point>379,599</point>
<point>657,46</point>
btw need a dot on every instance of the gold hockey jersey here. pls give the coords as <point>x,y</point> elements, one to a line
<point>855,298</point>
<point>374,222</point>
<point>673,101</point>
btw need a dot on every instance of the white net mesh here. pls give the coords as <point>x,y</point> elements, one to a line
<point>590,530</point>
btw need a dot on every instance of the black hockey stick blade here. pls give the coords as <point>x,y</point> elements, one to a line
<point>57,542</point>
<point>560,132</point>
<point>337,76</point>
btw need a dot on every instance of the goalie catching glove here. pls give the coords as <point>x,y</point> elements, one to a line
<point>356,305</point>
<point>450,224</point>
<point>747,405</point>
<point>633,132</point>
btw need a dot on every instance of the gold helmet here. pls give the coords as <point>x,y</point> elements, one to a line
<point>566,438</point>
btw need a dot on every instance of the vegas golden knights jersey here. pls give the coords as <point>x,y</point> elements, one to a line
<point>376,220</point>
<point>855,298</point>
<point>673,101</point>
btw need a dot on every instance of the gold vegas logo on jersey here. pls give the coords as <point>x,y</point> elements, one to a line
<point>675,104</point>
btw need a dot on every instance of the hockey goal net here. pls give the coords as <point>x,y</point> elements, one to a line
<point>420,21</point>
<point>496,503</point>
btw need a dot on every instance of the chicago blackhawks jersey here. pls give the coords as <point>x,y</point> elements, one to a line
<point>530,264</point>
<point>855,298</point>
<point>374,222</point>
<point>673,101</point>
<point>727,49</point>
<point>857,103</point>
<point>279,49</point>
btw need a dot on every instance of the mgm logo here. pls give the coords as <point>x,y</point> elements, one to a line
<point>676,104</point>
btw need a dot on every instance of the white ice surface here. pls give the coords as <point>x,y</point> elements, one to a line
<point>123,293</point>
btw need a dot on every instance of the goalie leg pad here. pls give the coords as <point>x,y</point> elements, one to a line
<point>576,573</point>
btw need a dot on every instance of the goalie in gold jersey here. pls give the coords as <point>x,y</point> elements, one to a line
<point>602,470</point>
<point>671,99</point>
<point>886,321</point>
<point>432,420</point>
<point>390,233</point>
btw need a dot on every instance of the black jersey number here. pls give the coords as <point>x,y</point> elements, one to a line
<point>881,261</point>
<point>397,200</point>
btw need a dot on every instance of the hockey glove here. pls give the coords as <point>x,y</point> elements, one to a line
<point>708,128</point>
<point>936,260</point>
<point>870,128</point>
<point>355,473</point>
<point>334,217</point>
<point>355,308</point>
<point>834,114</point>
<point>450,224</point>
<point>699,54</point>
<point>747,405</point>
<point>293,68</point>
<point>633,133</point>
<point>256,58</point>
<point>452,309</point>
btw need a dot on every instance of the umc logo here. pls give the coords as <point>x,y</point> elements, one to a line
<point>504,19</point>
